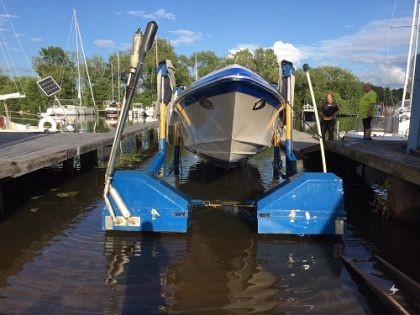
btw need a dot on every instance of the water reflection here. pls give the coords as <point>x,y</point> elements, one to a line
<point>141,269</point>
<point>221,266</point>
<point>209,182</point>
<point>56,260</point>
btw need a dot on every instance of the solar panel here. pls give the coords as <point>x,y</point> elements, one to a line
<point>49,86</point>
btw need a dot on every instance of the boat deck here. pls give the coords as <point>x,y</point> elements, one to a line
<point>23,153</point>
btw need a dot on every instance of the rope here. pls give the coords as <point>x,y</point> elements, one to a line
<point>18,40</point>
<point>9,61</point>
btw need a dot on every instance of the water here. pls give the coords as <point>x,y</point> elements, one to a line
<point>56,260</point>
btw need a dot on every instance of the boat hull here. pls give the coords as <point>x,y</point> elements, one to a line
<point>220,121</point>
<point>69,110</point>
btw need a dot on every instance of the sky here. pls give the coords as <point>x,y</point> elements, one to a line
<point>370,38</point>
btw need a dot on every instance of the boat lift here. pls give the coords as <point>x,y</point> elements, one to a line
<point>139,200</point>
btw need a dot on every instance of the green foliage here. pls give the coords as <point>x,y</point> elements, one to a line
<point>207,61</point>
<point>267,65</point>
<point>263,61</point>
<point>53,61</point>
<point>244,58</point>
<point>345,86</point>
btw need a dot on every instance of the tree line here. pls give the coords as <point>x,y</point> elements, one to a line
<point>62,66</point>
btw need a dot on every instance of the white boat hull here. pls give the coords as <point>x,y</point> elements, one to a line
<point>229,129</point>
<point>69,110</point>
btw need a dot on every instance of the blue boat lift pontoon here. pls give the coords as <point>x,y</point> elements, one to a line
<point>139,200</point>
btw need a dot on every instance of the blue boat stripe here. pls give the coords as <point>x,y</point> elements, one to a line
<point>233,71</point>
<point>226,86</point>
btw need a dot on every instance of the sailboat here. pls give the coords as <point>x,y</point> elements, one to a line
<point>395,126</point>
<point>72,107</point>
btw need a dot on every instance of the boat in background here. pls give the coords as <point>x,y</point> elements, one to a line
<point>47,124</point>
<point>60,108</point>
<point>72,107</point>
<point>308,113</point>
<point>112,109</point>
<point>386,125</point>
<point>229,115</point>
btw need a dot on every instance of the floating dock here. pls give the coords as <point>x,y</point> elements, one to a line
<point>390,157</point>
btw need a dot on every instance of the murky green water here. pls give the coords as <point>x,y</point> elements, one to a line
<point>56,260</point>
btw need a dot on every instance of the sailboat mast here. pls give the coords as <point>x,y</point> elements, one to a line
<point>84,60</point>
<point>119,76</point>
<point>79,77</point>
<point>112,82</point>
<point>156,52</point>
<point>413,43</point>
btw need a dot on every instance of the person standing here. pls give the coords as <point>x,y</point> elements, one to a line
<point>328,114</point>
<point>366,106</point>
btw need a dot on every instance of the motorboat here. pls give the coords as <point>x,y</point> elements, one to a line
<point>70,107</point>
<point>228,115</point>
<point>112,110</point>
<point>386,125</point>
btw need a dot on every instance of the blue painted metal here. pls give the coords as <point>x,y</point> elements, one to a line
<point>234,78</point>
<point>310,203</point>
<point>287,69</point>
<point>162,69</point>
<point>291,159</point>
<point>160,207</point>
<point>156,163</point>
<point>233,70</point>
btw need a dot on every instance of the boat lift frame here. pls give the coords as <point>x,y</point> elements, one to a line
<point>139,200</point>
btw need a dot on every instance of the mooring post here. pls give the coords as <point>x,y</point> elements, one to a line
<point>2,206</point>
<point>68,167</point>
<point>89,159</point>
<point>138,141</point>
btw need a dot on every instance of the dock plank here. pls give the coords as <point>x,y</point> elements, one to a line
<point>20,156</point>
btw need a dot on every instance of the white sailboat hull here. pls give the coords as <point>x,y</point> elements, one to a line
<point>69,110</point>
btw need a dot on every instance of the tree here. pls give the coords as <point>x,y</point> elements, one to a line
<point>182,71</point>
<point>207,61</point>
<point>345,86</point>
<point>266,64</point>
<point>243,57</point>
<point>53,61</point>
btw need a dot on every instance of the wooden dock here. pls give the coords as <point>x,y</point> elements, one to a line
<point>22,154</point>
<point>389,157</point>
